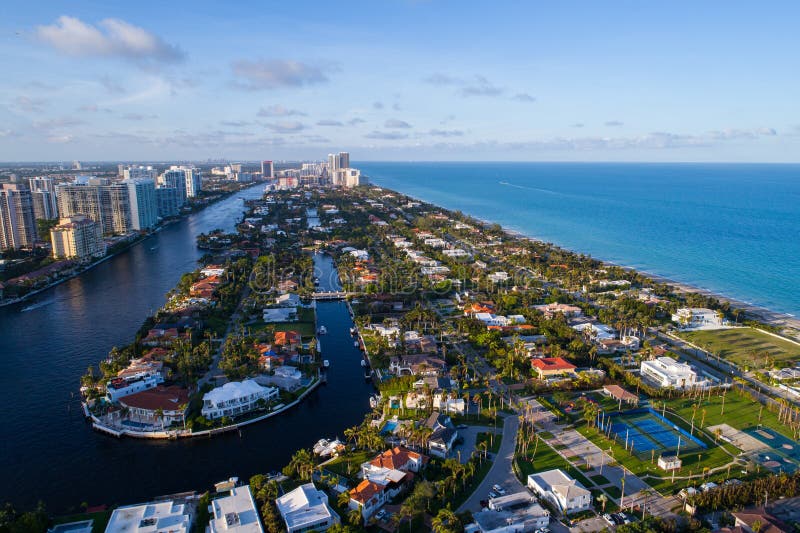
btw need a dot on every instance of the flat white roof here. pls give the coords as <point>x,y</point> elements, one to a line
<point>304,505</point>
<point>151,518</point>
<point>236,512</point>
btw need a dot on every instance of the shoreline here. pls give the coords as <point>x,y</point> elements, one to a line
<point>139,239</point>
<point>768,316</point>
<point>188,434</point>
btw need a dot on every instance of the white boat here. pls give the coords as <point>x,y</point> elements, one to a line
<point>353,332</point>
<point>322,330</point>
<point>355,344</point>
<point>321,445</point>
<point>332,448</point>
<point>326,363</point>
<point>363,364</point>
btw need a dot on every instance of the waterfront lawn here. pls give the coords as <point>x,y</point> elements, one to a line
<point>100,519</point>
<point>746,347</point>
<point>349,464</point>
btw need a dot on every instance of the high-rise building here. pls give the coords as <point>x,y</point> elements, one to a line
<point>169,201</point>
<point>77,237</point>
<point>143,202</point>
<point>186,179</point>
<point>17,223</point>
<point>43,191</point>
<point>75,199</point>
<point>267,170</point>
<point>133,172</point>
<point>115,207</point>
<point>107,204</point>
<point>344,159</point>
<point>333,164</point>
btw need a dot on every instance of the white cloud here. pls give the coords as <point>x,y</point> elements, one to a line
<point>336,123</point>
<point>614,123</point>
<point>386,135</point>
<point>524,97</point>
<point>266,74</point>
<point>28,104</point>
<point>481,86</point>
<point>278,110</point>
<point>394,123</point>
<point>446,133</point>
<point>110,38</point>
<point>289,126</point>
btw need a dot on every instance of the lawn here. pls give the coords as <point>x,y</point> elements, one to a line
<point>349,465</point>
<point>741,411</point>
<point>746,347</point>
<point>484,437</point>
<point>547,458</point>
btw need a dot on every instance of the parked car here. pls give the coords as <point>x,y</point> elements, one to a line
<point>493,494</point>
<point>607,518</point>
<point>497,488</point>
<point>381,514</point>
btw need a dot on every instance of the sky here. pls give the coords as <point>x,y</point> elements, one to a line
<point>400,80</point>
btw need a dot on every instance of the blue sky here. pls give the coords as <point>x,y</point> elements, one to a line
<point>401,80</point>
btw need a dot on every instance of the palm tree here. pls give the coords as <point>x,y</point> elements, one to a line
<point>446,521</point>
<point>603,499</point>
<point>354,516</point>
<point>344,499</point>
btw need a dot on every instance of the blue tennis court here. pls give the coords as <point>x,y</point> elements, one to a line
<point>647,430</point>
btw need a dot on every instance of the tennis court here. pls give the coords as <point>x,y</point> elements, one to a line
<point>647,430</point>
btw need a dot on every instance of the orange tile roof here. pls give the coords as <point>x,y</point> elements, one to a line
<point>284,338</point>
<point>364,491</point>
<point>396,458</point>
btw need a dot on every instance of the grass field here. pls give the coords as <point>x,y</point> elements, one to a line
<point>747,347</point>
<point>547,458</point>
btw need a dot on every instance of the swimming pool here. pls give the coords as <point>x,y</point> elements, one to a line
<point>389,427</point>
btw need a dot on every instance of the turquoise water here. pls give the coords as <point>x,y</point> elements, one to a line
<point>733,229</point>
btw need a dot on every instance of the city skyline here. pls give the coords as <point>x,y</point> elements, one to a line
<point>400,81</point>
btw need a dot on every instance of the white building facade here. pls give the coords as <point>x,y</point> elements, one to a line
<point>236,398</point>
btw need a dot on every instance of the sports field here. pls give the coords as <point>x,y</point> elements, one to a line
<point>746,346</point>
<point>647,431</point>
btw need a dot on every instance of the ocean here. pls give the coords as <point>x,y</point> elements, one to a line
<point>732,229</point>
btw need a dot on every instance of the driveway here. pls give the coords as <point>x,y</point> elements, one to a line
<point>470,436</point>
<point>500,472</point>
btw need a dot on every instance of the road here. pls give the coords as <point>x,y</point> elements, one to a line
<point>500,472</point>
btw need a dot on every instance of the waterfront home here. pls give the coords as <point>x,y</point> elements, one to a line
<point>171,515</point>
<point>287,340</point>
<point>564,493</point>
<point>286,285</point>
<point>306,509</point>
<point>553,309</point>
<point>119,387</point>
<point>143,366</point>
<point>288,299</point>
<point>443,436</point>
<point>235,513</point>
<point>367,497</point>
<point>161,335</point>
<point>398,458</point>
<point>547,367</point>
<point>212,270</point>
<point>161,405</point>
<point>699,318</point>
<point>669,462</point>
<point>279,314</point>
<point>416,365</point>
<point>667,372</point>
<point>393,469</point>
<point>236,398</point>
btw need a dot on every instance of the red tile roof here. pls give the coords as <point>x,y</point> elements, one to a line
<point>169,398</point>
<point>552,364</point>
<point>396,458</point>
<point>283,338</point>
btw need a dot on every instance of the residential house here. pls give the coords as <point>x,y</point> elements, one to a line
<point>552,366</point>
<point>759,520</point>
<point>236,398</point>
<point>306,509</point>
<point>279,314</point>
<point>699,318</point>
<point>416,365</point>
<point>443,437</point>
<point>288,300</point>
<point>667,372</point>
<point>287,340</point>
<point>367,497</point>
<point>513,513</point>
<point>553,309</point>
<point>164,405</point>
<point>564,493</point>
<point>120,387</point>
<point>170,515</point>
<point>236,513</point>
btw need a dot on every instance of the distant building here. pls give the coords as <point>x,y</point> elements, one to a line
<point>77,237</point>
<point>143,202</point>
<point>236,513</point>
<point>176,178</point>
<point>510,514</point>
<point>267,170</point>
<point>669,462</point>
<point>236,398</point>
<point>108,204</point>
<point>172,516</point>
<point>168,202</point>
<point>306,509</point>
<point>563,492</point>
<point>45,204</point>
<point>139,172</point>
<point>17,222</point>
<point>115,208</point>
<point>667,372</point>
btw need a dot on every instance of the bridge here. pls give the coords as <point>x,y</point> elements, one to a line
<point>332,295</point>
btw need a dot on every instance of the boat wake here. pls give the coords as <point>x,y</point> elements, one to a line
<point>36,305</point>
<point>525,187</point>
